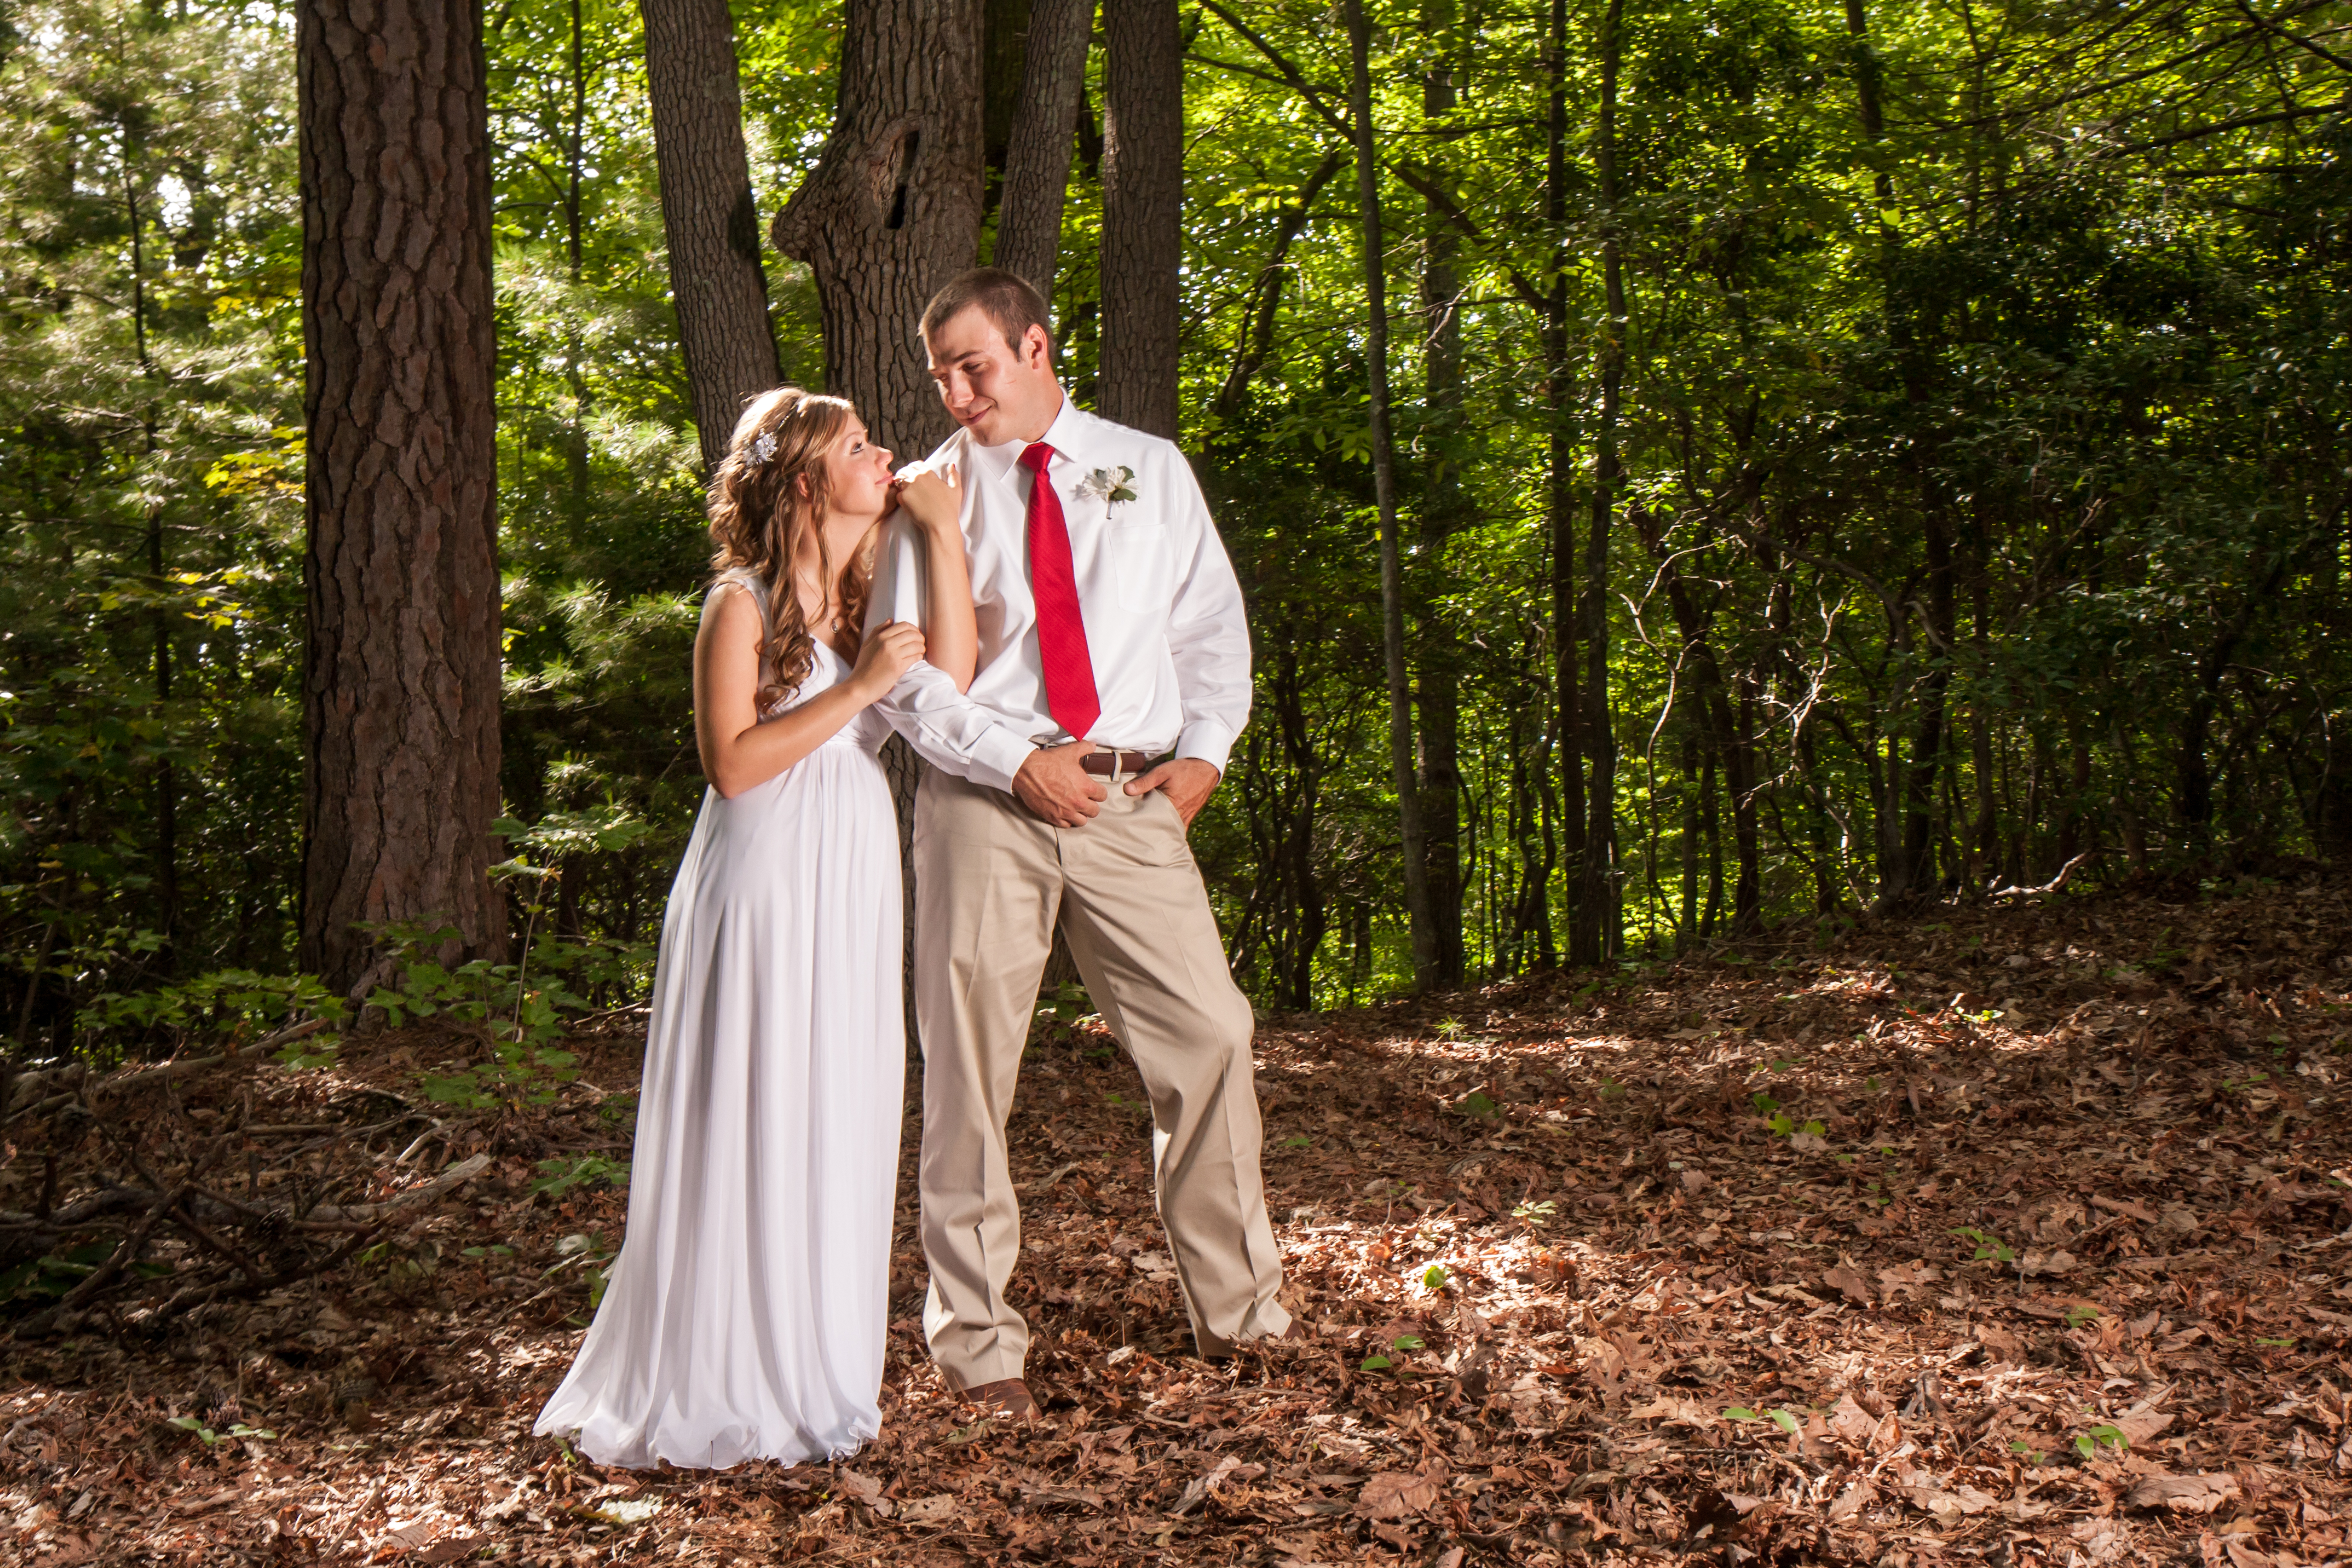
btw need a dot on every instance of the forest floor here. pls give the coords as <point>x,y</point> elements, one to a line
<point>2017,1234</point>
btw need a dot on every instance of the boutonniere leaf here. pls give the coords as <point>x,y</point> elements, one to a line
<point>1112,485</point>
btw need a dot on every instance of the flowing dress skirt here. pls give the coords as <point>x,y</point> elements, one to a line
<point>746,1313</point>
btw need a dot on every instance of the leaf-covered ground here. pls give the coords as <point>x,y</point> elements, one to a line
<point>2017,1234</point>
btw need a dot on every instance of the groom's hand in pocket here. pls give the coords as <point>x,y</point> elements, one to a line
<point>1052,785</point>
<point>1189,782</point>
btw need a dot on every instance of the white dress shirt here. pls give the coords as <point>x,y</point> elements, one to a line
<point>1166,631</point>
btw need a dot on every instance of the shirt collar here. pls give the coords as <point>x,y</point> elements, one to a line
<point>1066,434</point>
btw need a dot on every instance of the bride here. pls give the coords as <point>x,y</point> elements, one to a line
<point>745,1316</point>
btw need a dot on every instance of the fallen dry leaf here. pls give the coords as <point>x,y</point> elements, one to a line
<point>2182,1494</point>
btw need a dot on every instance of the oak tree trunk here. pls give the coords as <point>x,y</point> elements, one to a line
<point>892,210</point>
<point>708,216</point>
<point>1042,139</point>
<point>401,671</point>
<point>1143,195</point>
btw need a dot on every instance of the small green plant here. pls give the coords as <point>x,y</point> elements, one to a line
<point>558,1176</point>
<point>1784,1419</point>
<point>590,1253</point>
<point>1299,1141</point>
<point>493,1250</point>
<point>1534,1215</point>
<point>1477,1105</point>
<point>1433,1277</point>
<point>1612,1089</point>
<point>207,1437</point>
<point>2081,1313</point>
<point>2089,1443</point>
<point>1989,1247</point>
<point>2026,1451</point>
<point>1403,1346</point>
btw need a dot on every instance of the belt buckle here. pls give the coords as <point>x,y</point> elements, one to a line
<point>1118,774</point>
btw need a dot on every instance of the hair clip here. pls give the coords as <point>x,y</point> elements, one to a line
<point>760,448</point>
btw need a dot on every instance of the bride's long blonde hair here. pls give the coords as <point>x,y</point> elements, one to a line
<point>770,487</point>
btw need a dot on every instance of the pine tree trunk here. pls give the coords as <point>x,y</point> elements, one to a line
<point>708,218</point>
<point>1594,931</point>
<point>1424,930</point>
<point>402,670</point>
<point>1569,709</point>
<point>1143,195</point>
<point>1443,509</point>
<point>892,210</point>
<point>1043,139</point>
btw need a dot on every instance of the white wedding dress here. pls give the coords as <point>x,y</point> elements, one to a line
<point>746,1314</point>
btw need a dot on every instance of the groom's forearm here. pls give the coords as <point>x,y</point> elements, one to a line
<point>951,731</point>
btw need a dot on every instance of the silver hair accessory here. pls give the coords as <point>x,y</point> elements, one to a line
<point>763,447</point>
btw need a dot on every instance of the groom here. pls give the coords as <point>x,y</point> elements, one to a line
<point>1111,635</point>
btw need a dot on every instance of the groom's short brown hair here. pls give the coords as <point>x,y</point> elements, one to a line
<point>1007,298</point>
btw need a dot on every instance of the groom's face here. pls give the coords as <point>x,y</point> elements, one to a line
<point>999,391</point>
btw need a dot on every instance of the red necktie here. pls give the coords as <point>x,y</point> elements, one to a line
<point>1054,584</point>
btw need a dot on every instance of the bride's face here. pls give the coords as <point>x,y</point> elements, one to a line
<point>857,475</point>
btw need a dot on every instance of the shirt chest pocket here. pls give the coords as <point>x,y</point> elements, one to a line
<point>1138,561</point>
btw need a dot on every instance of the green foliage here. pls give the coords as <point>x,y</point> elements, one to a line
<point>1989,1247</point>
<point>558,1176</point>
<point>1981,467</point>
<point>207,1437</point>
<point>2088,1444</point>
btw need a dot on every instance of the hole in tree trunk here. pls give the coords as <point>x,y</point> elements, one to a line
<point>908,146</point>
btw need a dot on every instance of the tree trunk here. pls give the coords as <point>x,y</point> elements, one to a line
<point>892,210</point>
<point>1368,194</point>
<point>707,216</point>
<point>1560,518</point>
<point>1443,509</point>
<point>1594,931</point>
<point>400,691</point>
<point>1043,139</point>
<point>1143,198</point>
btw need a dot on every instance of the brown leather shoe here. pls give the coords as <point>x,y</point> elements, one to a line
<point>1007,1396</point>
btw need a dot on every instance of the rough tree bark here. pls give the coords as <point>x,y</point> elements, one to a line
<point>1042,141</point>
<point>1595,928</point>
<point>1559,515</point>
<point>707,216</point>
<point>1143,193</point>
<point>400,689</point>
<point>1445,509</point>
<point>892,210</point>
<point>1424,930</point>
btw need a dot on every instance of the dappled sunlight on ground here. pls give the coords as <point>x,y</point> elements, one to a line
<point>2013,1233</point>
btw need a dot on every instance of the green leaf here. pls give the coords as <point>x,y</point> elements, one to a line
<point>1376,1364</point>
<point>1739,1413</point>
<point>1784,1420</point>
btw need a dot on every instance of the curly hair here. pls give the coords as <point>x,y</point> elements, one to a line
<point>758,506</point>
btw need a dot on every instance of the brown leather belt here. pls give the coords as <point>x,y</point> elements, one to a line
<point>1111,765</point>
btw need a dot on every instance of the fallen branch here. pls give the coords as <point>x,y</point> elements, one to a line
<point>2052,886</point>
<point>456,1176</point>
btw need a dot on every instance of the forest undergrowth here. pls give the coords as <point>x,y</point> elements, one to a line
<point>2014,1233</point>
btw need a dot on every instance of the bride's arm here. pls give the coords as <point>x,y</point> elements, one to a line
<point>738,750</point>
<point>952,639</point>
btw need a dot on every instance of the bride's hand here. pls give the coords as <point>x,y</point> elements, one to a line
<point>889,651</point>
<point>933,499</point>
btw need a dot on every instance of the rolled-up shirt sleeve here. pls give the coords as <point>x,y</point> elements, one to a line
<point>948,728</point>
<point>1208,631</point>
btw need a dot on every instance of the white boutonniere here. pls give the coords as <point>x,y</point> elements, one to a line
<point>1108,485</point>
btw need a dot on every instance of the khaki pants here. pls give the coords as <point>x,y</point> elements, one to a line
<point>988,879</point>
